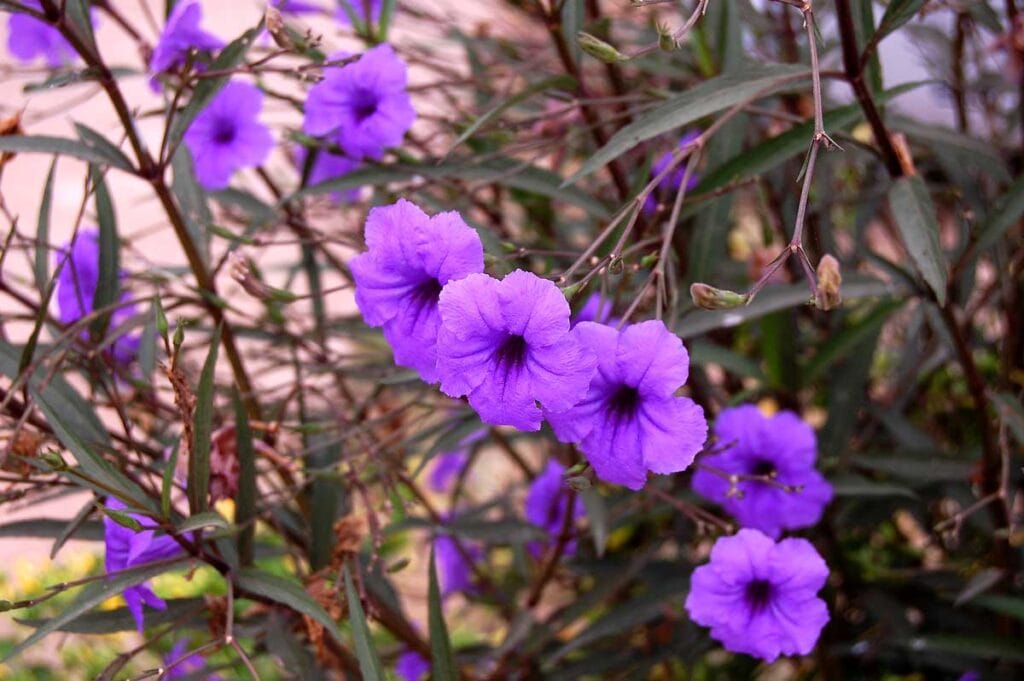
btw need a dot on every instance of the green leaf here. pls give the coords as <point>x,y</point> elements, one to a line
<point>856,486</point>
<point>44,144</point>
<point>245,507</point>
<point>597,518</point>
<point>561,82</point>
<point>115,157</point>
<point>1006,605</point>
<point>387,12</point>
<point>167,481</point>
<point>77,527</point>
<point>51,527</point>
<point>287,593</point>
<point>199,461</point>
<point>842,343</point>
<point>108,282</point>
<point>897,13</point>
<point>915,470</point>
<point>915,217</point>
<point>1007,212</point>
<point>203,520</point>
<point>369,661</point>
<point>192,201</point>
<point>42,261</point>
<point>703,353</point>
<point>442,660</point>
<point>91,596</point>
<point>702,100</point>
<point>121,619</point>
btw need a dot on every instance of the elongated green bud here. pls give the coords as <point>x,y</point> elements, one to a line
<point>599,49</point>
<point>711,298</point>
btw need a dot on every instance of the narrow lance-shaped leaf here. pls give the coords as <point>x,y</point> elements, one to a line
<point>42,260</point>
<point>199,461</point>
<point>61,146</point>
<point>288,593</point>
<point>915,217</point>
<point>369,661</point>
<point>443,661</point>
<point>108,283</point>
<point>245,507</point>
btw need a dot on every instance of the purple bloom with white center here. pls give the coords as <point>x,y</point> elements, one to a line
<point>506,345</point>
<point>760,597</point>
<point>596,310</point>
<point>328,166</point>
<point>631,421</point>
<point>365,104</point>
<point>76,290</point>
<point>411,666</point>
<point>547,504</point>
<point>181,34</point>
<point>358,8</point>
<point>127,549</point>
<point>29,38</point>
<point>454,572</point>
<point>669,185</point>
<point>410,257</point>
<point>188,666</point>
<point>227,135</point>
<point>782,446</point>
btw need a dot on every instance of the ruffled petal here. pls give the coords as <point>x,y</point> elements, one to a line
<point>652,359</point>
<point>533,308</point>
<point>674,431</point>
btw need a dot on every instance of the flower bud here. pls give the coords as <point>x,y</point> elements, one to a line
<point>54,460</point>
<point>666,41</point>
<point>599,49</point>
<point>276,28</point>
<point>123,519</point>
<point>829,281</point>
<point>711,298</point>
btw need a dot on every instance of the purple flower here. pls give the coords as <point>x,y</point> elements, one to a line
<point>412,666</point>
<point>783,446</point>
<point>454,572</point>
<point>447,468</point>
<point>188,666</point>
<point>29,38</point>
<point>364,103</point>
<point>596,310</point>
<point>227,135</point>
<point>297,7</point>
<point>410,257</point>
<point>669,185</point>
<point>126,549</point>
<point>760,597</point>
<point>358,8</point>
<point>630,421</point>
<point>547,503</point>
<point>506,345</point>
<point>180,35</point>
<point>328,166</point>
<point>76,290</point>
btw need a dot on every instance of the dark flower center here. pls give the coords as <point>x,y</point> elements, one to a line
<point>512,352</point>
<point>758,594</point>
<point>224,131</point>
<point>624,402</point>
<point>763,467</point>
<point>365,105</point>
<point>427,292</point>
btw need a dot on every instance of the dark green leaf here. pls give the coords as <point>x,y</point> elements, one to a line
<point>191,200</point>
<point>199,461</point>
<point>42,260</point>
<point>369,660</point>
<point>121,619</point>
<point>203,520</point>
<point>916,470</point>
<point>981,647</point>
<point>288,593</point>
<point>245,508</point>
<point>856,486</point>
<point>108,282</point>
<point>51,527</point>
<point>115,157</point>
<point>897,13</point>
<point>1006,605</point>
<point>43,144</point>
<point>442,660</point>
<point>915,217</point>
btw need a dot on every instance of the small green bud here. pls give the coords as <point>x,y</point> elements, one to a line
<point>829,281</point>
<point>666,41</point>
<point>570,291</point>
<point>398,565</point>
<point>179,335</point>
<point>6,605</point>
<point>711,298</point>
<point>54,460</point>
<point>576,469</point>
<point>161,319</point>
<point>599,49</point>
<point>123,519</point>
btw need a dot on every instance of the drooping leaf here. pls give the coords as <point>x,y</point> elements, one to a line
<point>108,281</point>
<point>369,661</point>
<point>442,660</point>
<point>61,146</point>
<point>42,259</point>
<point>199,461</point>
<point>914,212</point>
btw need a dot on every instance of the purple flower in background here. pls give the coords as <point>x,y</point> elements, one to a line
<point>412,666</point>
<point>29,38</point>
<point>76,290</point>
<point>127,549</point>
<point>782,446</point>
<point>454,572</point>
<point>328,166</point>
<point>227,135</point>
<point>596,310</point>
<point>180,35</point>
<point>410,257</point>
<point>447,469</point>
<point>669,185</point>
<point>547,504</point>
<point>188,666</point>
<point>358,8</point>
<point>760,597</point>
<point>506,345</point>
<point>297,7</point>
<point>631,421</point>
<point>364,103</point>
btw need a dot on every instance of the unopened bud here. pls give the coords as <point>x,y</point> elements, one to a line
<point>276,28</point>
<point>666,41</point>
<point>54,460</point>
<point>179,335</point>
<point>599,49</point>
<point>123,519</point>
<point>162,327</point>
<point>711,298</point>
<point>6,605</point>
<point>829,281</point>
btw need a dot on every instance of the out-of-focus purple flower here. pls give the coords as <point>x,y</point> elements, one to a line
<point>188,666</point>
<point>358,8</point>
<point>970,676</point>
<point>411,666</point>
<point>630,421</point>
<point>410,257</point>
<point>782,446</point>
<point>365,104</point>
<point>506,345</point>
<point>227,135</point>
<point>180,35</point>
<point>448,465</point>
<point>76,290</point>
<point>760,597</point>
<point>328,166</point>
<point>297,7</point>
<point>127,549</point>
<point>596,310</point>
<point>29,38</point>
<point>454,572</point>
<point>669,185</point>
<point>547,504</point>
